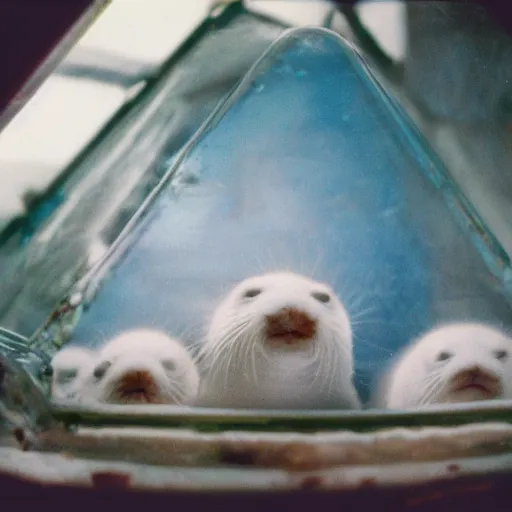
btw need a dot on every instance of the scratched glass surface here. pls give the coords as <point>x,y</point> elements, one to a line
<point>68,227</point>
<point>309,167</point>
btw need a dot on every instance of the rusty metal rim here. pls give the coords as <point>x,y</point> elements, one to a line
<point>282,420</point>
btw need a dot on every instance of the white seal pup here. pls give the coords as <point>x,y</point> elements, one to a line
<point>143,366</point>
<point>459,362</point>
<point>70,367</point>
<point>279,340</point>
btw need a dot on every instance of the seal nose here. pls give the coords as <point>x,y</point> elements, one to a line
<point>478,377</point>
<point>290,325</point>
<point>476,373</point>
<point>137,384</point>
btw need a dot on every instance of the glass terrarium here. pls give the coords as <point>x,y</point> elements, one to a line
<point>292,148</point>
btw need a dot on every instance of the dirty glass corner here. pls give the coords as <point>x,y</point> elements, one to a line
<point>189,87</point>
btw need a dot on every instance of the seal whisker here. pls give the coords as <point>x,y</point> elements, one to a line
<point>321,363</point>
<point>317,363</point>
<point>429,390</point>
<point>294,349</point>
<point>236,347</point>
<point>218,359</point>
<point>250,355</point>
<point>218,350</point>
<point>254,348</point>
<point>231,348</point>
<point>177,392</point>
<point>370,322</point>
<point>245,350</point>
<point>424,389</point>
<point>226,338</point>
<point>328,370</point>
<point>315,265</point>
<point>359,314</point>
<point>334,358</point>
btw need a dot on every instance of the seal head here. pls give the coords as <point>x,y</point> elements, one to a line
<point>70,367</point>
<point>143,366</point>
<point>279,340</point>
<point>461,362</point>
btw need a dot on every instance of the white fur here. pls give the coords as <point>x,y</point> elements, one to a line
<point>417,379</point>
<point>241,371</point>
<point>145,350</point>
<point>70,368</point>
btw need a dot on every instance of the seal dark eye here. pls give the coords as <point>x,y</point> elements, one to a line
<point>501,355</point>
<point>443,356</point>
<point>252,292</point>
<point>322,297</point>
<point>101,369</point>
<point>169,364</point>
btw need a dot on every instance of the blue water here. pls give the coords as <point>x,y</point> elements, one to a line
<point>305,171</point>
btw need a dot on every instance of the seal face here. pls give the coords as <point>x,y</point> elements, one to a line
<point>143,367</point>
<point>451,364</point>
<point>70,367</point>
<point>279,340</point>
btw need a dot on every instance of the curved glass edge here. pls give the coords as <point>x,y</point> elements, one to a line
<point>275,419</point>
<point>495,257</point>
<point>487,245</point>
